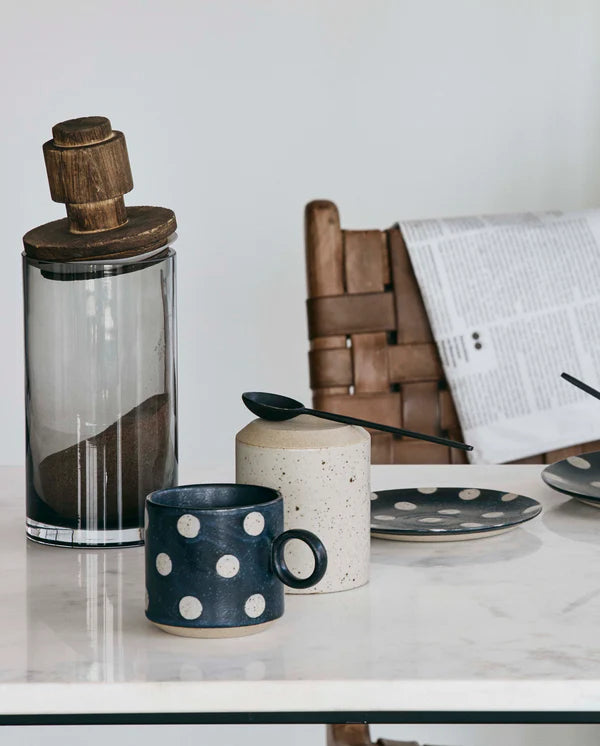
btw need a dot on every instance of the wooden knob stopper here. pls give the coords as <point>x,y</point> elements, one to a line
<point>88,170</point>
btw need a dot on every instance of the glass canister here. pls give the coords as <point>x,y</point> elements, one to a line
<point>100,348</point>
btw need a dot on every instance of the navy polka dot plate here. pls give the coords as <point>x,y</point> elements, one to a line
<point>577,476</point>
<point>447,513</point>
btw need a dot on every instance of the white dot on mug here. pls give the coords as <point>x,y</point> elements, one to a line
<point>190,607</point>
<point>254,523</point>
<point>228,566</point>
<point>255,605</point>
<point>188,526</point>
<point>163,563</point>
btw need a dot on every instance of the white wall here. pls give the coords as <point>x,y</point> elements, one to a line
<point>237,113</point>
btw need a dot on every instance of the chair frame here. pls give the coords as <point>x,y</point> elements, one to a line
<point>372,353</point>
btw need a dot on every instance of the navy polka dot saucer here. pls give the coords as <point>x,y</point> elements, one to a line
<point>578,476</point>
<point>447,513</point>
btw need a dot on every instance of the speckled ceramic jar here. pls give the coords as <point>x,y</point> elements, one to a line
<point>322,469</point>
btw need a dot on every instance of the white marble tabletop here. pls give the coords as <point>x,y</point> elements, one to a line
<point>509,623</point>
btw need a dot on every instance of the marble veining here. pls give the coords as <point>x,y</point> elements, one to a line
<point>507,622</point>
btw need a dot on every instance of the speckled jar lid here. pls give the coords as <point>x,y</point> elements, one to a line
<point>304,431</point>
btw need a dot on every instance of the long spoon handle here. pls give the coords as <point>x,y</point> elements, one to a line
<point>387,429</point>
<point>581,385</point>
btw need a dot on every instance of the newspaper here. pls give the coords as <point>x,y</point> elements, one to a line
<point>513,301</point>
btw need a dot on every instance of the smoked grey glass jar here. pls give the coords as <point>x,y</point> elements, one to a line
<point>100,348</point>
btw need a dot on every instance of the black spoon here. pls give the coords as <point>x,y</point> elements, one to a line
<point>581,385</point>
<point>277,407</point>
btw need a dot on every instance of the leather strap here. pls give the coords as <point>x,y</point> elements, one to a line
<point>350,314</point>
<point>412,324</point>
<point>330,367</point>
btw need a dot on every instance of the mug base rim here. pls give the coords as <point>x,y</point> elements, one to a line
<point>214,632</point>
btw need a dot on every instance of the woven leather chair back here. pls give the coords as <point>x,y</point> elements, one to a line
<point>372,354</point>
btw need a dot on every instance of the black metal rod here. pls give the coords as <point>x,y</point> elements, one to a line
<point>581,385</point>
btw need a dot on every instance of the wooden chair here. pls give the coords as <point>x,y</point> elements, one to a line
<point>358,735</point>
<point>372,354</point>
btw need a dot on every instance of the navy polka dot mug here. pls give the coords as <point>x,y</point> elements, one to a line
<point>215,564</point>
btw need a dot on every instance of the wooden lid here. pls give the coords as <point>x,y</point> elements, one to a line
<point>88,170</point>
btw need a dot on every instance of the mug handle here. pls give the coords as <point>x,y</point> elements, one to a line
<point>280,566</point>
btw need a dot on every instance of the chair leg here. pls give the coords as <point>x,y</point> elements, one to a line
<point>354,734</point>
<point>357,734</point>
